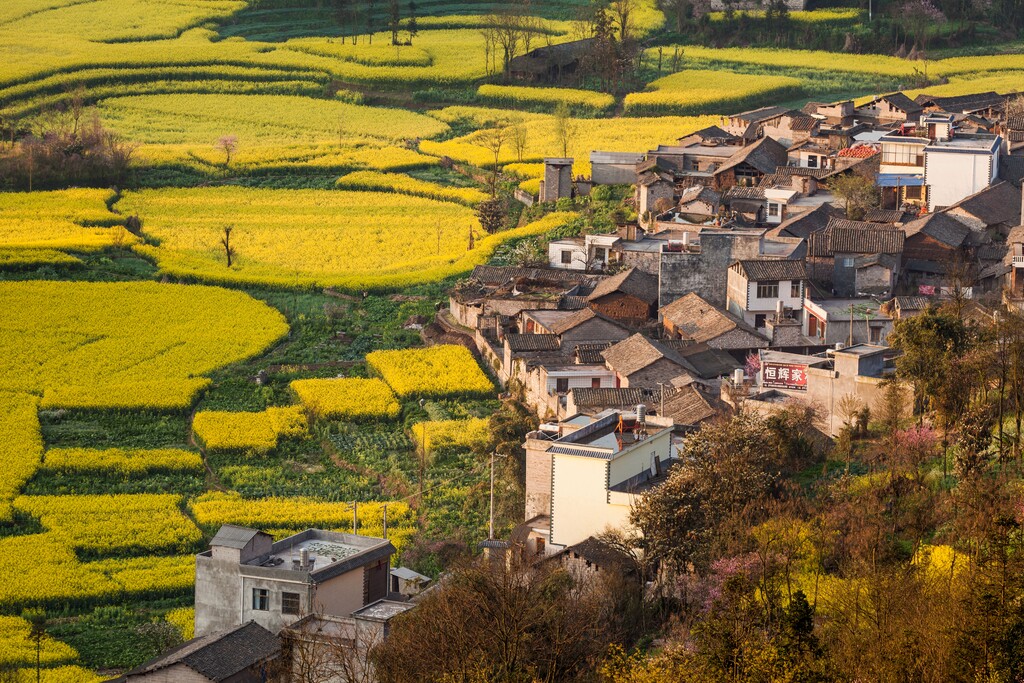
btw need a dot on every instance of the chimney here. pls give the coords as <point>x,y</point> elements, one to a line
<point>780,310</point>
<point>737,377</point>
<point>304,558</point>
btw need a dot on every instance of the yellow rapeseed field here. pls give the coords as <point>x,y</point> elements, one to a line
<point>121,461</point>
<point>64,219</point>
<point>125,345</point>
<point>183,619</point>
<point>695,91</point>
<point>473,433</point>
<point>111,524</point>
<point>444,370</point>
<point>21,446</point>
<point>610,135</point>
<point>403,184</point>
<point>255,432</point>
<point>524,96</point>
<point>350,398</point>
<point>16,649</point>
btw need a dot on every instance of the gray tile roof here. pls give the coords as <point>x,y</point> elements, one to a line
<point>520,343</point>
<point>217,656</point>
<point>591,354</point>
<point>633,282</point>
<point>499,275</point>
<point>709,362</point>
<point>690,406</point>
<point>586,397</point>
<point>765,155</point>
<point>939,226</point>
<point>963,104</point>
<point>569,322</point>
<point>803,224</point>
<point>701,321</point>
<point>855,237</point>
<point>886,216</point>
<point>996,204</point>
<point>638,352</point>
<point>773,269</point>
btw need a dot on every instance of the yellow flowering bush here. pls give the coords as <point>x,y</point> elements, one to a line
<point>20,258</point>
<point>220,430</point>
<point>122,461</point>
<point>183,619</point>
<point>104,524</point>
<point>17,649</point>
<point>444,370</point>
<point>350,398</point>
<point>403,184</point>
<point>125,344</point>
<point>473,434</point>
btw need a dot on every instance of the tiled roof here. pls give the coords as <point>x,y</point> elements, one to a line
<point>700,192</point>
<point>803,224</point>
<point>690,406</point>
<point>585,397</point>
<point>855,237</point>
<point>498,275</point>
<point>762,114</point>
<point>803,123</point>
<point>633,282</point>
<point>1011,168</point>
<point>591,354</point>
<point>886,216</point>
<point>638,352</point>
<point>519,343</point>
<point>939,226</point>
<point>740,192</point>
<point>711,133</point>
<point>911,303</point>
<point>1015,121</point>
<point>902,102</point>
<point>709,362</point>
<point>218,656</point>
<point>572,303</point>
<point>963,104</point>
<point>231,536</point>
<point>578,318</point>
<point>999,203</point>
<point>765,155</point>
<point>773,269</point>
<point>701,321</point>
<point>858,152</point>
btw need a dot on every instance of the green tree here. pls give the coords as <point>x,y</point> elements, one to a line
<point>858,192</point>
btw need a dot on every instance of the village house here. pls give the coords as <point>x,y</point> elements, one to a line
<point>573,327</point>
<point>994,208</point>
<point>246,576</point>
<point>960,166</point>
<point>785,125</point>
<point>851,258</point>
<point>548,381</point>
<point>934,241</point>
<point>828,322</point>
<point>888,109</point>
<point>630,297</point>
<point>550,63</point>
<point>758,287</point>
<point>841,380</point>
<point>614,168</point>
<point>583,475</point>
<point>246,653</point>
<point>986,104</point>
<point>557,181</point>
<point>642,362</point>
<point>901,171</point>
<point>587,253</point>
<point>695,319</point>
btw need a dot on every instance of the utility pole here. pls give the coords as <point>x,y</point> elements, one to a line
<point>661,411</point>
<point>355,516</point>
<point>490,526</point>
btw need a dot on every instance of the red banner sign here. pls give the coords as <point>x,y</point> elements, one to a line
<point>784,376</point>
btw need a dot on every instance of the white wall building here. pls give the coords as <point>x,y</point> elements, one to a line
<point>590,252</point>
<point>957,168</point>
<point>757,287</point>
<point>584,478</point>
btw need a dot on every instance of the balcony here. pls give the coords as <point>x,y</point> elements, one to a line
<point>1018,261</point>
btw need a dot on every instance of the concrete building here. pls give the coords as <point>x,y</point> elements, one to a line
<point>958,167</point>
<point>845,321</point>
<point>825,381</point>
<point>758,287</point>
<point>703,268</point>
<point>587,253</point>
<point>583,477</point>
<point>245,576</point>
<point>614,168</point>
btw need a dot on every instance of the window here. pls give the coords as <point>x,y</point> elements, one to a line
<point>566,257</point>
<point>773,209</point>
<point>562,385</point>
<point>848,262</point>
<point>601,254</point>
<point>812,161</point>
<point>794,289</point>
<point>289,603</point>
<point>595,383</point>
<point>759,319</point>
<point>876,334</point>
<point>769,289</point>
<point>261,599</point>
<point>914,192</point>
<point>903,155</point>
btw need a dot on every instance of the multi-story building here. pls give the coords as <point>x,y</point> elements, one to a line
<point>758,287</point>
<point>246,576</point>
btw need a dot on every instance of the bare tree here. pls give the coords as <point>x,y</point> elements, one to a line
<point>566,129</point>
<point>518,132</point>
<point>229,251</point>
<point>623,11</point>
<point>493,139</point>
<point>227,144</point>
<point>506,31</point>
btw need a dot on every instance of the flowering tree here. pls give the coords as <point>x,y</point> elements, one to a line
<point>917,17</point>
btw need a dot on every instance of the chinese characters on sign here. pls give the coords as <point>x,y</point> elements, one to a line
<point>784,376</point>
